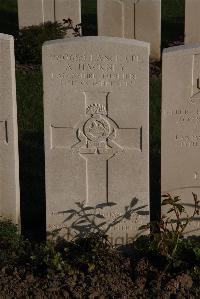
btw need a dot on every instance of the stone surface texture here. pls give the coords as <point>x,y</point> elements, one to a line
<point>96,93</point>
<point>192,21</point>
<point>36,12</point>
<point>181,126</point>
<point>65,9</point>
<point>9,166</point>
<point>135,19</point>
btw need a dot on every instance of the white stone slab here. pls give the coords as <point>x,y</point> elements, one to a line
<point>65,9</point>
<point>138,19</point>
<point>96,92</point>
<point>35,12</point>
<point>9,165</point>
<point>181,126</point>
<point>148,24</point>
<point>192,21</point>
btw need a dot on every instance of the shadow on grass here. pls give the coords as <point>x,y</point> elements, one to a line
<point>32,184</point>
<point>8,22</point>
<point>89,17</point>
<point>173,21</point>
<point>155,147</point>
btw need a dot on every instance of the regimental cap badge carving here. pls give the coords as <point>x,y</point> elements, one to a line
<point>96,109</point>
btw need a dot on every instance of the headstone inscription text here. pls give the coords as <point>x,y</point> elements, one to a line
<point>9,160</point>
<point>181,126</point>
<point>96,128</point>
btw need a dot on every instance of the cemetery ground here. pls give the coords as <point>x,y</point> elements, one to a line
<point>155,266</point>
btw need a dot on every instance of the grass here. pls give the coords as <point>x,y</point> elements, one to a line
<point>31,151</point>
<point>173,19</point>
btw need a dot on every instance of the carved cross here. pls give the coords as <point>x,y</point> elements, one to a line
<point>96,142</point>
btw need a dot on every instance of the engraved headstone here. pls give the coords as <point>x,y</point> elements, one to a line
<point>192,21</point>
<point>35,12</point>
<point>136,19</point>
<point>9,168</point>
<point>181,126</point>
<point>96,132</point>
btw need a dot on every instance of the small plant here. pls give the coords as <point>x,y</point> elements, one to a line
<point>10,242</point>
<point>46,258</point>
<point>166,233</point>
<point>166,242</point>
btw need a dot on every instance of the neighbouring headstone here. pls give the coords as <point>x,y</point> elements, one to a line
<point>96,92</point>
<point>9,161</point>
<point>181,126</point>
<point>65,9</point>
<point>136,19</point>
<point>192,21</point>
<point>35,12</point>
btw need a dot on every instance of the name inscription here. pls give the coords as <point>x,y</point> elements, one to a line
<point>95,70</point>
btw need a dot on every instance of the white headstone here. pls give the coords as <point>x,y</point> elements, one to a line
<point>192,21</point>
<point>35,12</point>
<point>96,92</point>
<point>9,165</point>
<point>135,19</point>
<point>181,126</point>
<point>65,9</point>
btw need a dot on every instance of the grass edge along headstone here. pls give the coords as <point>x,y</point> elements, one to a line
<point>192,21</point>
<point>134,19</point>
<point>9,172</point>
<point>96,102</point>
<point>180,139</point>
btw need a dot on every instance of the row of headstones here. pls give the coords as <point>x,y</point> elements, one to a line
<point>136,19</point>
<point>96,125</point>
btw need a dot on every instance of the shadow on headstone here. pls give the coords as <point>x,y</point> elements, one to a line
<point>85,220</point>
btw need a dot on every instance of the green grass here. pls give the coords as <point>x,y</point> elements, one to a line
<point>30,102</point>
<point>89,18</point>
<point>155,141</point>
<point>173,19</point>
<point>31,151</point>
<point>8,17</point>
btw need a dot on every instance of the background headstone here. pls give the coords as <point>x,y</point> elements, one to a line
<point>65,9</point>
<point>136,19</point>
<point>9,161</point>
<point>181,126</point>
<point>96,92</point>
<point>192,21</point>
<point>148,24</point>
<point>35,12</point>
